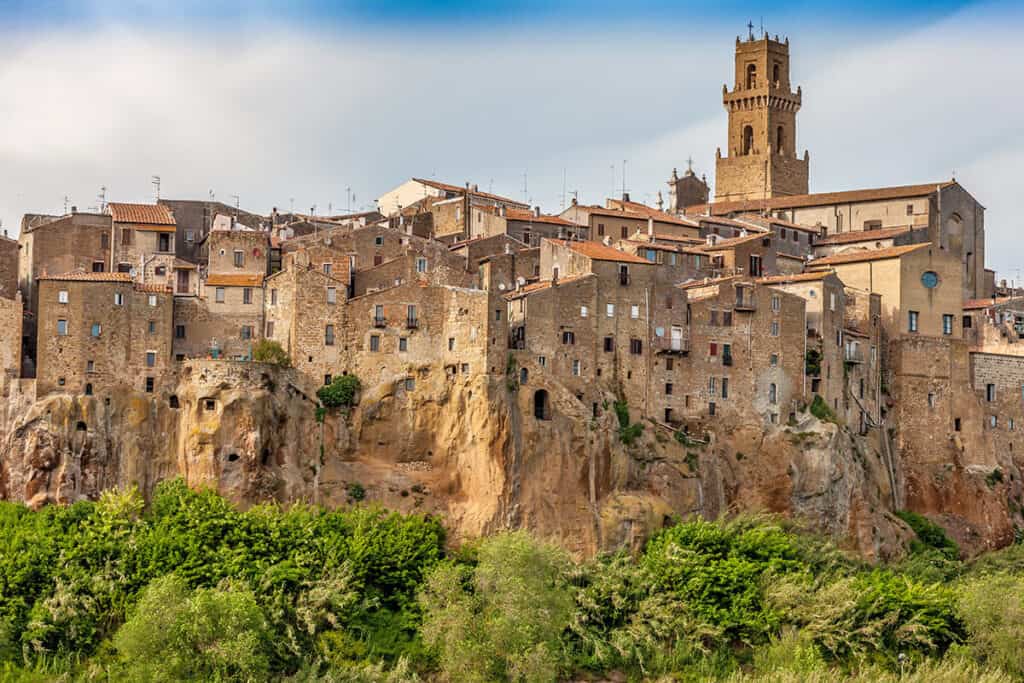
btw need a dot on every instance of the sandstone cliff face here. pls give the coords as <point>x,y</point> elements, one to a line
<point>468,448</point>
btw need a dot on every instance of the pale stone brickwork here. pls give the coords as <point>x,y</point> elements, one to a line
<point>8,266</point>
<point>237,251</point>
<point>79,241</point>
<point>101,333</point>
<point>11,313</point>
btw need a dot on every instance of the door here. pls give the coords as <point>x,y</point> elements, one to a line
<point>183,282</point>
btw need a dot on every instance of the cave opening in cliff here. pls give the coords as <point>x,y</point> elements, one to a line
<point>541,406</point>
<point>81,427</point>
<point>233,457</point>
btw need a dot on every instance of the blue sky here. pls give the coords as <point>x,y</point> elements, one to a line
<point>307,102</point>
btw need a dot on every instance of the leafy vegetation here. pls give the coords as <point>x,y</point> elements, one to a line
<point>190,588</point>
<point>628,433</point>
<point>821,410</point>
<point>269,351</point>
<point>340,393</point>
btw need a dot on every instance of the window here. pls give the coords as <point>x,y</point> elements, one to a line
<point>967,322</point>
<point>669,364</point>
<point>410,384</point>
<point>751,76</point>
<point>748,140</point>
<point>568,337</point>
<point>465,368</point>
<point>773,393</point>
<point>714,318</point>
<point>126,236</point>
<point>403,344</point>
<point>726,354</point>
<point>910,209</point>
<point>421,264</point>
<point>149,385</point>
<point>218,295</point>
<point>712,349</point>
<point>610,310</point>
<point>332,295</point>
<point>270,329</point>
<point>150,359</point>
<point>636,347</point>
<point>956,424</point>
<point>152,327</point>
<point>583,311</point>
<point>246,332</point>
<point>634,312</point>
<point>542,361</point>
<point>104,241</point>
<point>97,266</point>
<point>190,236</point>
<point>90,366</point>
<point>375,342</point>
<point>62,296</point>
<point>88,388</point>
<point>947,323</point>
<point>609,344</point>
<point>118,299</point>
<point>725,387</point>
<point>179,331</point>
<point>273,297</point>
<point>776,303</point>
<point>96,329</point>
<point>378,241</point>
<point>329,336</point>
<point>164,242</point>
<point>497,315</point>
<point>711,408</point>
<point>329,266</point>
<point>152,300</point>
<point>861,391</point>
<point>993,422</point>
<point>575,368</point>
<point>912,321</point>
<point>831,301</point>
<point>625,232</point>
<point>727,318</point>
<point>247,295</point>
<point>931,399</point>
<point>712,386</point>
<point>990,392</point>
<point>773,360</point>
<point>600,229</point>
<point>239,258</point>
<point>775,328</point>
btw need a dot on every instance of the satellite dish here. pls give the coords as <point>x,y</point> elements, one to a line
<point>521,280</point>
<point>501,286</point>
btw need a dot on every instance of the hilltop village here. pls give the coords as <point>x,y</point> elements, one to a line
<point>749,309</point>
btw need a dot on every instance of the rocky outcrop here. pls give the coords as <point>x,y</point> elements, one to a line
<point>466,447</point>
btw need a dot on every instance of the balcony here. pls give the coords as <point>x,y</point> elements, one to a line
<point>665,345</point>
<point>746,304</point>
<point>853,354</point>
<point>412,323</point>
<point>380,322</point>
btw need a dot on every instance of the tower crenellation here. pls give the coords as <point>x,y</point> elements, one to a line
<point>760,158</point>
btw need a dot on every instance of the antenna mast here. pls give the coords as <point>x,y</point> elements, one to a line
<point>102,197</point>
<point>155,181</point>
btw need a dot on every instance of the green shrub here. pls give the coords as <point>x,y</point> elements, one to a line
<point>628,433</point>
<point>821,410</point>
<point>356,491</point>
<point>269,351</point>
<point>929,535</point>
<point>341,392</point>
<point>992,608</point>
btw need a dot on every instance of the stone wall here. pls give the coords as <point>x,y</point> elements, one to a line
<point>8,267</point>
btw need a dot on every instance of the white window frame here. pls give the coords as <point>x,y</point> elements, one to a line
<point>583,311</point>
<point>62,296</point>
<point>634,311</point>
<point>610,310</point>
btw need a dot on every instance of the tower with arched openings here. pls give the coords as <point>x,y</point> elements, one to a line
<point>760,160</point>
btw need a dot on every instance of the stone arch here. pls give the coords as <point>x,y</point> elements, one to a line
<point>748,140</point>
<point>541,405</point>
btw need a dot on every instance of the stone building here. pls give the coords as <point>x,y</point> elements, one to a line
<point>237,251</point>
<point>101,332</point>
<point>8,266</point>
<point>455,221</point>
<point>624,219</point>
<point>686,191</point>
<point>752,254</point>
<point>747,351</point>
<point>194,220</point>
<point>11,318</point>
<point>143,241</point>
<point>761,159</point>
<point>919,286</point>
<point>225,320</point>
<point>791,238</point>
<point>420,262</point>
<point>883,238</point>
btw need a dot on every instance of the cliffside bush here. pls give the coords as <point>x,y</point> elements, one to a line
<point>341,392</point>
<point>929,535</point>
<point>190,588</point>
<point>269,351</point>
<point>821,410</point>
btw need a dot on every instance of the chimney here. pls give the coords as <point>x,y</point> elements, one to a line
<point>74,209</point>
<point>476,188</point>
<point>575,201</point>
<point>625,196</point>
<point>536,212</point>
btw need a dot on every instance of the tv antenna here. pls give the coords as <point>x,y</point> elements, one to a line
<point>102,198</point>
<point>624,179</point>
<point>65,205</point>
<point>213,196</point>
<point>348,199</point>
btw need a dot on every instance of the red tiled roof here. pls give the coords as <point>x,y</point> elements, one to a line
<point>149,214</point>
<point>977,304</point>
<point>765,221</point>
<point>796,277</point>
<point>527,216</point>
<point>867,255</point>
<point>674,238</point>
<point>82,276</point>
<point>599,252</point>
<point>694,284</point>
<point>445,187</point>
<point>820,199</point>
<point>620,205</point>
<point>153,288</point>
<point>234,280</point>
<point>544,284</point>
<point>731,242</point>
<point>863,235</point>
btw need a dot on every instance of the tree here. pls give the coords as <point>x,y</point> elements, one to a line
<point>340,392</point>
<point>269,351</point>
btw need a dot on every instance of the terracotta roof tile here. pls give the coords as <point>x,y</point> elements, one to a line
<point>82,276</point>
<point>693,284</point>
<point>765,221</point>
<point>151,214</point>
<point>819,199</point>
<point>862,236</point>
<point>544,284</point>
<point>600,252</point>
<point>796,277</point>
<point>153,288</point>
<point>731,242</point>
<point>445,187</point>
<point>867,255</point>
<point>234,280</point>
<point>977,304</point>
<point>528,217</point>
<point>620,206</point>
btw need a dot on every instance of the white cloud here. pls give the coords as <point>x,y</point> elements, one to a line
<point>270,113</point>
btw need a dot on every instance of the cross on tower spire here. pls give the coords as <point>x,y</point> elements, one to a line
<point>750,29</point>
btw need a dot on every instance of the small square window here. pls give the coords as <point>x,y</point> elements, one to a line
<point>403,344</point>
<point>451,343</point>
<point>410,384</point>
<point>378,241</point>
<point>96,329</point>
<point>149,385</point>
<point>179,331</point>
<point>465,368</point>
<point>152,300</point>
<point>62,296</point>
<point>327,379</point>
<point>246,295</point>
<point>150,359</point>
<point>375,342</point>
<point>218,295</point>
<point>246,332</point>
<point>118,299</point>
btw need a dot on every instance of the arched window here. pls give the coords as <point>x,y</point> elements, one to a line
<point>541,407</point>
<point>773,393</point>
<point>523,375</point>
<point>751,76</point>
<point>748,140</point>
<point>775,75</point>
<point>780,139</point>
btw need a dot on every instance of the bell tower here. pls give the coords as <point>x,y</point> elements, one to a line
<point>761,160</point>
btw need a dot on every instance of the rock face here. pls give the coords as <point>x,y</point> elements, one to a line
<point>468,448</point>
